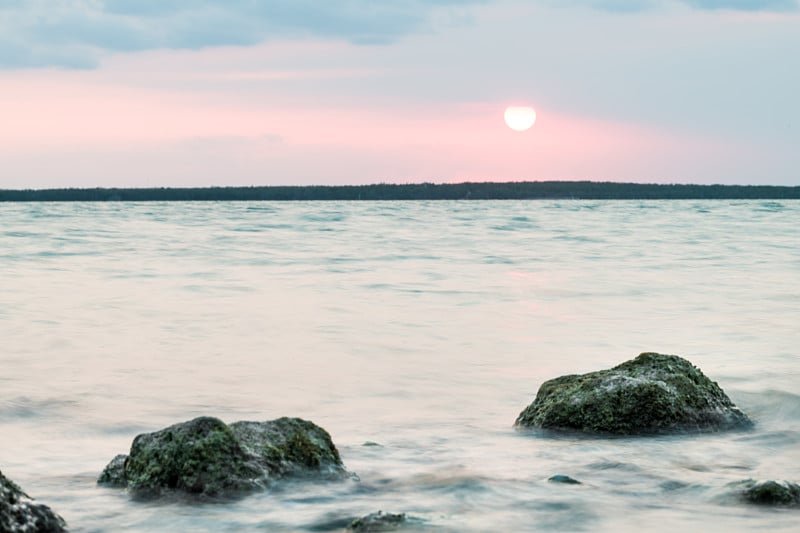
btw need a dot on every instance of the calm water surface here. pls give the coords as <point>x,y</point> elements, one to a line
<point>425,327</point>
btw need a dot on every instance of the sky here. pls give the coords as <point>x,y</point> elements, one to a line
<point>152,93</point>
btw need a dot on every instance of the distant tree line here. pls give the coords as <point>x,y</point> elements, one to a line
<point>522,190</point>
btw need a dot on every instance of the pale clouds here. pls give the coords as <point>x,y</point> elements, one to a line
<point>79,33</point>
<point>746,5</point>
<point>623,6</point>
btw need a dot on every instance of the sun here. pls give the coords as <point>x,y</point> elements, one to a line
<point>520,118</point>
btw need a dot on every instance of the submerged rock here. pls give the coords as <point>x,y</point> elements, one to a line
<point>775,493</point>
<point>561,478</point>
<point>652,394</point>
<point>206,457</point>
<point>20,514</point>
<point>379,521</point>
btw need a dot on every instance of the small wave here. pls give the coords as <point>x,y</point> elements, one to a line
<point>447,480</point>
<point>774,439</point>
<point>20,234</point>
<point>770,207</point>
<point>497,260</point>
<point>261,209</point>
<point>574,205</point>
<point>772,405</point>
<point>517,223</point>
<point>578,238</point>
<point>324,217</point>
<point>614,465</point>
<point>563,514</point>
<point>25,407</point>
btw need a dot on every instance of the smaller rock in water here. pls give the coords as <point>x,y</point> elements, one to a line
<point>652,394</point>
<point>561,478</point>
<point>113,474</point>
<point>775,493</point>
<point>20,514</point>
<point>380,521</point>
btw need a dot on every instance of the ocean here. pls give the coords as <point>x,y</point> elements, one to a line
<point>421,327</point>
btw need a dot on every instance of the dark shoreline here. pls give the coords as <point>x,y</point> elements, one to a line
<point>521,190</point>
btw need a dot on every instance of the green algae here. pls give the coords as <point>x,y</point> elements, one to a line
<point>291,446</point>
<point>207,458</point>
<point>199,457</point>
<point>651,394</point>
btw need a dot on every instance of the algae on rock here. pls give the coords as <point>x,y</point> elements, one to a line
<point>20,514</point>
<point>290,447</point>
<point>651,394</point>
<point>205,457</point>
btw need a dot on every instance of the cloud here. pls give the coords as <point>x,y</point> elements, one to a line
<point>620,6</point>
<point>642,5</point>
<point>77,33</point>
<point>745,5</point>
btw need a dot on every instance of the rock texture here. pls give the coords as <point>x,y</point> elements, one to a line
<point>774,493</point>
<point>652,394</point>
<point>379,521</point>
<point>205,457</point>
<point>113,474</point>
<point>20,514</point>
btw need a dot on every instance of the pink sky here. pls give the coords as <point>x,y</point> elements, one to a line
<point>312,111</point>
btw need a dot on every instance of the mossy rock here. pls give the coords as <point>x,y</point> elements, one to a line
<point>20,514</point>
<point>770,493</point>
<point>207,458</point>
<point>291,447</point>
<point>651,394</point>
<point>200,457</point>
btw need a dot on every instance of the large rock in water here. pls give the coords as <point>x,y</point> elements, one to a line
<point>19,514</point>
<point>207,458</point>
<point>652,394</point>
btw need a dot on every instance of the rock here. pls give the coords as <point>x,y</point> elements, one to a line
<point>290,447</point>
<point>379,521</point>
<point>20,514</point>
<point>113,474</point>
<point>561,478</point>
<point>775,493</point>
<point>205,457</point>
<point>652,394</point>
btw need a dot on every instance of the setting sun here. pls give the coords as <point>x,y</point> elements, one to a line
<point>520,118</point>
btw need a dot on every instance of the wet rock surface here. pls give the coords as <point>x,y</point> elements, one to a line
<point>207,458</point>
<point>651,394</point>
<point>20,514</point>
<point>113,474</point>
<point>566,480</point>
<point>379,521</point>
<point>770,493</point>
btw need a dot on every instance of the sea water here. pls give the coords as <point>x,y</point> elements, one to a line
<point>422,327</point>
